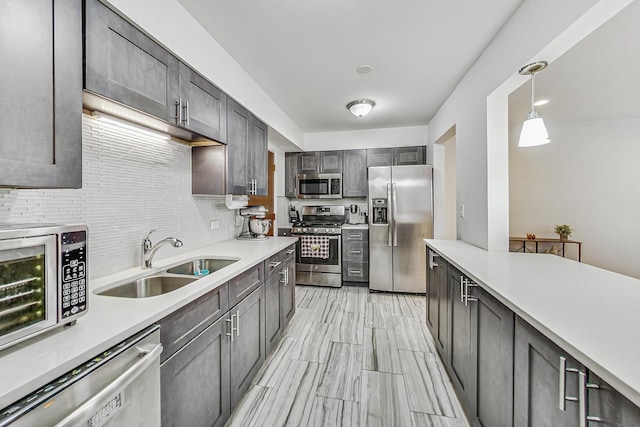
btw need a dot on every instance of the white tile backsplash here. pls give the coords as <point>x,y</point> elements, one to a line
<point>132,183</point>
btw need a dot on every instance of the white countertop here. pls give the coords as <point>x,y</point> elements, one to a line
<point>29,365</point>
<point>593,314</point>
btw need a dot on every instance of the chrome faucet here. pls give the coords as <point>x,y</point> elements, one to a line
<point>149,249</point>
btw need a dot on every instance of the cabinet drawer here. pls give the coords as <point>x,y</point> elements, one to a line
<point>273,264</point>
<point>350,235</point>
<point>181,326</point>
<point>355,272</point>
<point>243,284</point>
<point>288,254</point>
<point>355,251</point>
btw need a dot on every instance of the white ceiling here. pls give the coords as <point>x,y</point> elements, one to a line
<point>595,80</point>
<point>304,54</point>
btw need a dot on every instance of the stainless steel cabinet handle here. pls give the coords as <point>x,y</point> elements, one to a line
<point>179,111</point>
<point>355,271</point>
<point>390,222</point>
<point>237,323</point>
<point>286,277</point>
<point>127,377</point>
<point>355,236</point>
<point>432,256</point>
<point>230,333</point>
<point>562,391</point>
<point>583,399</point>
<point>290,251</point>
<point>462,289</point>
<point>468,298</point>
<point>186,113</point>
<point>275,264</point>
<point>395,215</point>
<point>355,252</point>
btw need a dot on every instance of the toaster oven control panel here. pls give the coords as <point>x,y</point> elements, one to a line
<point>73,272</point>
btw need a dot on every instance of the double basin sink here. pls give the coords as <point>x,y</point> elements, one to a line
<point>169,280</point>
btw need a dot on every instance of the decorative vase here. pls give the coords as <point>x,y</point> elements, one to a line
<point>564,237</point>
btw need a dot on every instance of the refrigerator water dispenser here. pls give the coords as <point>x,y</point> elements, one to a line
<point>379,211</point>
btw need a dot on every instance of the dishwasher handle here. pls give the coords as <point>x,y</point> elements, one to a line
<point>150,355</point>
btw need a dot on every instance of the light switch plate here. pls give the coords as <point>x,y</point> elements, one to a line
<point>215,225</point>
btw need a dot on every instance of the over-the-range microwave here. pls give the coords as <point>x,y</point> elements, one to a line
<point>319,186</point>
<point>43,278</point>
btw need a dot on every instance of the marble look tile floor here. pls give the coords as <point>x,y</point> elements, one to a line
<point>352,358</point>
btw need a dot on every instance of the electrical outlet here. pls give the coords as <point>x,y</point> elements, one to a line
<point>215,225</point>
<point>462,210</point>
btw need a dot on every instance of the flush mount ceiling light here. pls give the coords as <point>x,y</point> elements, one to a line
<point>533,130</point>
<point>361,107</point>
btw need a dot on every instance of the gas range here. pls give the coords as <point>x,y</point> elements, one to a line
<point>320,220</point>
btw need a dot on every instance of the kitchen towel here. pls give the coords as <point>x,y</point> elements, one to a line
<point>314,247</point>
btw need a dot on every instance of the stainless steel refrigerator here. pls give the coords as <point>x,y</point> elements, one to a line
<point>400,217</point>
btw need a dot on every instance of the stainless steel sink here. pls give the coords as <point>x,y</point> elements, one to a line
<point>203,264</point>
<point>148,286</point>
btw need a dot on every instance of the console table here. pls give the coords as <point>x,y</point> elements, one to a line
<point>538,240</point>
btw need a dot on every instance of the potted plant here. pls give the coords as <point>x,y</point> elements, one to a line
<point>564,231</point>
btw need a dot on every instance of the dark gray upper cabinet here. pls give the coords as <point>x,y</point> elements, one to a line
<point>320,162</point>
<point>291,172</point>
<point>195,381</point>
<point>41,87</point>
<point>204,106</point>
<point>247,154</point>
<point>397,156</point>
<point>354,175</point>
<point>124,64</point>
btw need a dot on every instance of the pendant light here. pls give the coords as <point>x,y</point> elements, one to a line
<point>361,107</point>
<point>533,130</point>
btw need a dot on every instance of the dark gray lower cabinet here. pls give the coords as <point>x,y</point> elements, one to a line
<point>288,294</point>
<point>273,321</point>
<point>459,354</point>
<point>248,345</point>
<point>492,326</point>
<point>437,301</point>
<point>195,381</point>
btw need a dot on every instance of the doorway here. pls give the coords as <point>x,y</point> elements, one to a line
<point>268,200</point>
<point>444,186</point>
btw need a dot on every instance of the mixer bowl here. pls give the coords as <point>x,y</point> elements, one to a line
<point>260,227</point>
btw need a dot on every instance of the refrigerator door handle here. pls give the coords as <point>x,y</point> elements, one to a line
<point>390,218</point>
<point>395,214</point>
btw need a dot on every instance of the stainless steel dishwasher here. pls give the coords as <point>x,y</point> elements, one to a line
<point>119,387</point>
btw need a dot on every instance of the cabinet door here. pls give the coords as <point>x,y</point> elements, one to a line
<point>273,326</point>
<point>205,106</point>
<point>248,346</point>
<point>409,155</point>
<point>536,381</point>
<point>444,308</point>
<point>379,157</point>
<point>309,162</point>
<point>331,161</point>
<point>492,355</point>
<point>238,119</point>
<point>459,340</point>
<point>258,154</point>
<point>288,294</point>
<point>41,87</point>
<point>433,291</point>
<point>124,64</point>
<point>291,172</point>
<point>354,175</point>
<point>195,381</point>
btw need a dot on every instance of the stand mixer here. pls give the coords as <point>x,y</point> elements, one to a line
<point>254,232</point>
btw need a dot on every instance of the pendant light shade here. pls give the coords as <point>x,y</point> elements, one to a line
<point>533,131</point>
<point>361,107</point>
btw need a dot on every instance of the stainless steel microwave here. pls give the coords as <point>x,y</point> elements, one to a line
<point>319,186</point>
<point>43,278</point>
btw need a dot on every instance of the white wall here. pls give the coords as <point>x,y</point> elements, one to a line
<point>588,178</point>
<point>131,184</point>
<point>534,26</point>
<point>171,25</point>
<point>370,138</point>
